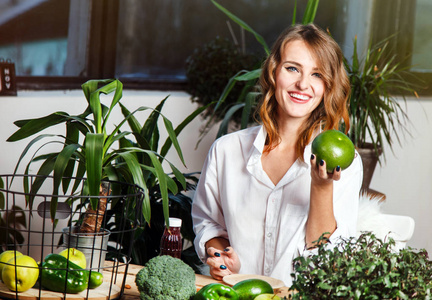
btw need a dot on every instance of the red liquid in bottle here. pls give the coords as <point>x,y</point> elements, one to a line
<point>171,242</point>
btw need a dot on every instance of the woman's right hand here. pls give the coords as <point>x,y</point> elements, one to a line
<point>223,262</point>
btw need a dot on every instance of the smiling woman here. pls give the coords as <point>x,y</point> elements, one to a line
<point>264,179</point>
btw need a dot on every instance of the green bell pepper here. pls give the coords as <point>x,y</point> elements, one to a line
<point>60,275</point>
<point>216,291</point>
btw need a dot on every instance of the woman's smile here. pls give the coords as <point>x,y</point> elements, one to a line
<point>299,97</point>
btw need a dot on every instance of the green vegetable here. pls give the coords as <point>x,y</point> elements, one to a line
<point>216,291</point>
<point>57,273</point>
<point>250,288</point>
<point>362,268</point>
<point>96,279</point>
<point>166,278</point>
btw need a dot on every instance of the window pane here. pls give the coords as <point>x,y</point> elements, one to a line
<point>422,56</point>
<point>33,35</point>
<point>156,37</point>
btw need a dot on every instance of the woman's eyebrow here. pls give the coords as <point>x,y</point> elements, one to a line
<point>292,62</point>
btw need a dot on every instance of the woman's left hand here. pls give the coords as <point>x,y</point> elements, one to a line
<point>222,263</point>
<point>319,173</point>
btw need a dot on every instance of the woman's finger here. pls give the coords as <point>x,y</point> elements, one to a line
<point>211,251</point>
<point>337,173</point>
<point>322,169</point>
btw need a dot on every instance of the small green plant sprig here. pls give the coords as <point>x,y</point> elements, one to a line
<point>363,268</point>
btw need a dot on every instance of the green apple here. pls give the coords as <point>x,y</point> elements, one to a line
<point>24,276</point>
<point>6,256</point>
<point>267,297</point>
<point>75,256</point>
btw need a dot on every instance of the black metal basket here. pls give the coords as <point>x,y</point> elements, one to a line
<point>26,225</point>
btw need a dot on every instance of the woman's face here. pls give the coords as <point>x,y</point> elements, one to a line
<point>299,86</point>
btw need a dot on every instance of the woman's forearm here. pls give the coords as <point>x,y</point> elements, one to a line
<point>321,217</point>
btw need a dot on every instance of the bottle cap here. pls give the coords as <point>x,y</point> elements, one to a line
<point>175,222</point>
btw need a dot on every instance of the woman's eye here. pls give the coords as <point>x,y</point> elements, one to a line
<point>292,69</point>
<point>317,75</point>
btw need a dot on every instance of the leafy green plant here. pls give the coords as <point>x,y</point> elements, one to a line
<point>88,149</point>
<point>363,268</point>
<point>209,68</point>
<point>247,101</point>
<point>376,116</point>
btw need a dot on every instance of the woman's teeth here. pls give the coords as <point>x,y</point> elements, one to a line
<point>298,96</point>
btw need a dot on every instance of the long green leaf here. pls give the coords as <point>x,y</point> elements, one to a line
<point>167,145</point>
<point>245,26</point>
<point>35,125</point>
<point>223,128</point>
<point>249,75</point>
<point>61,163</point>
<point>150,124</point>
<point>94,153</point>
<point>132,121</point>
<point>311,9</point>
<point>162,184</point>
<point>173,137</point>
<point>294,18</point>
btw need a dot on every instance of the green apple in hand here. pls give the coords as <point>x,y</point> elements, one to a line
<point>24,276</point>
<point>75,256</point>
<point>6,256</point>
<point>267,297</point>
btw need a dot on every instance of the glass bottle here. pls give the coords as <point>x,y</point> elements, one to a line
<point>171,242</point>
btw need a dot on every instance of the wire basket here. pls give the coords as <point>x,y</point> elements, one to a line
<point>27,225</point>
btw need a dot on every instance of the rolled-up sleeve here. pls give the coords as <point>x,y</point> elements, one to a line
<point>207,214</point>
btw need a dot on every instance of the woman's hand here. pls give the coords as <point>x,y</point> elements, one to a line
<point>319,173</point>
<point>223,262</point>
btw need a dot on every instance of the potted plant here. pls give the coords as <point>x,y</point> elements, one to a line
<point>376,115</point>
<point>89,150</point>
<point>363,268</point>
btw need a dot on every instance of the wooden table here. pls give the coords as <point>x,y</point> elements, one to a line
<point>131,291</point>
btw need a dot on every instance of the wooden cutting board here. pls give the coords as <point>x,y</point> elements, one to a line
<point>104,292</point>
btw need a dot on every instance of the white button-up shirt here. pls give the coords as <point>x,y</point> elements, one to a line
<point>265,223</point>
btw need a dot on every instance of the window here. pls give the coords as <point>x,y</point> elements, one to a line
<point>410,23</point>
<point>145,43</point>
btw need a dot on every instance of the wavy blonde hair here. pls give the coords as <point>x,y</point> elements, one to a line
<point>334,107</point>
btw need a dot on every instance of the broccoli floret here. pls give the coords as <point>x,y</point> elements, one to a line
<point>166,278</point>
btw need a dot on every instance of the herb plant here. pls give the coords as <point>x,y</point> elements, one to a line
<point>362,268</point>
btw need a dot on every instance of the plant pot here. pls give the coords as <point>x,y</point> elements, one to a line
<point>369,158</point>
<point>93,245</point>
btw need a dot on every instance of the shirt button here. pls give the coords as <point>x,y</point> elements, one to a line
<point>267,270</point>
<point>269,234</point>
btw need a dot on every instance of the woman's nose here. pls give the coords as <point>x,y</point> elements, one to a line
<point>302,82</point>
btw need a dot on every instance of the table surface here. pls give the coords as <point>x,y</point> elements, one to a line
<point>131,291</point>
